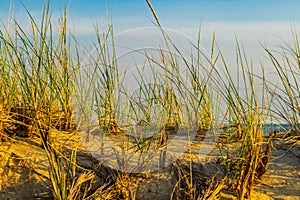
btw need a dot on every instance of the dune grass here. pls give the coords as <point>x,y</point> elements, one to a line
<point>286,94</point>
<point>44,87</point>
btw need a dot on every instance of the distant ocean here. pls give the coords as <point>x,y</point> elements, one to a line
<point>271,128</point>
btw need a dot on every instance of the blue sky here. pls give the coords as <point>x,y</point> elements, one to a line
<point>172,11</point>
<point>127,14</point>
<point>252,21</point>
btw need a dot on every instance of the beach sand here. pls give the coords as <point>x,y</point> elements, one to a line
<point>24,170</point>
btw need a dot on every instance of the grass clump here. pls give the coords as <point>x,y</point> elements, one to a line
<point>243,122</point>
<point>37,75</point>
<point>36,87</point>
<point>286,93</point>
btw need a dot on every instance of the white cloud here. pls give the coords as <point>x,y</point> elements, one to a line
<point>246,32</point>
<point>132,30</point>
<point>249,34</point>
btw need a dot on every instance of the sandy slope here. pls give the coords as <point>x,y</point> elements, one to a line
<point>24,171</point>
<point>282,180</point>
